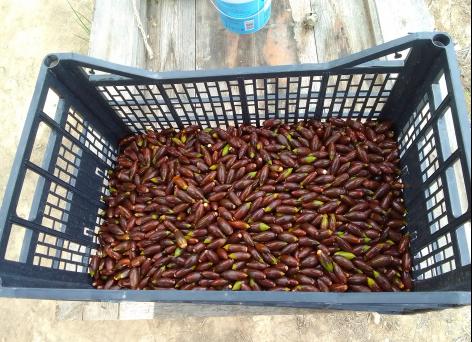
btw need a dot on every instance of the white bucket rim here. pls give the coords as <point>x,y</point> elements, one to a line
<point>267,3</point>
<point>236,1</point>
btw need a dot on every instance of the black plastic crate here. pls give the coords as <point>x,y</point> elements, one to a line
<point>82,106</point>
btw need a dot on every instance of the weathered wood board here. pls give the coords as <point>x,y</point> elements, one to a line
<point>172,36</point>
<point>342,27</point>
<point>284,40</point>
<point>400,17</point>
<point>188,34</point>
<point>115,35</point>
<point>217,47</point>
<point>94,311</point>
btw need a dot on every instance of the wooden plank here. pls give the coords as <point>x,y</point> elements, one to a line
<point>304,30</point>
<point>217,47</point>
<point>371,8</point>
<point>284,40</point>
<point>171,29</point>
<point>69,311</point>
<point>115,35</point>
<point>98,311</point>
<point>400,17</point>
<point>179,310</point>
<point>343,27</point>
<point>135,311</point>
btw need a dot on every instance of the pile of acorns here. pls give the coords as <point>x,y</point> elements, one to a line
<point>311,206</point>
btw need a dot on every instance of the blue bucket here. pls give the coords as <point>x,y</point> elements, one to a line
<point>244,16</point>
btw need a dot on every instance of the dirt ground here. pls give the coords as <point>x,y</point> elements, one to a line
<point>39,324</point>
<point>453,16</point>
<point>30,29</point>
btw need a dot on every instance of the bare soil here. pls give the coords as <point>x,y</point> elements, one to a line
<point>453,17</point>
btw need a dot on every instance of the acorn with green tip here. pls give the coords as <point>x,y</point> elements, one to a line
<point>325,261</point>
<point>309,159</point>
<point>237,286</point>
<point>346,255</point>
<point>226,150</point>
<point>262,227</point>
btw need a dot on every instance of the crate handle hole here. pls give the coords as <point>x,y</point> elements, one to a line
<point>51,61</point>
<point>31,190</point>
<point>18,245</point>
<point>441,40</point>
<point>464,242</point>
<point>457,189</point>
